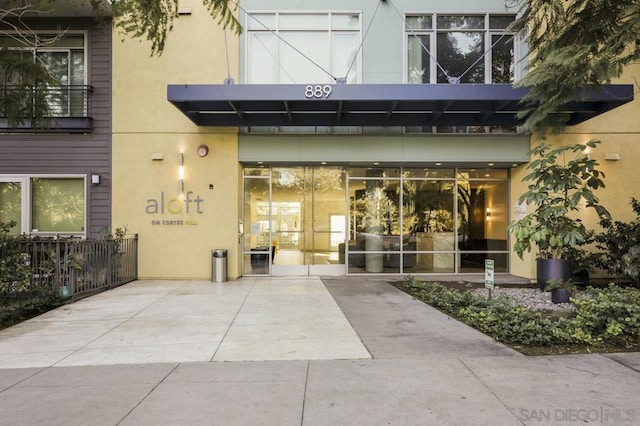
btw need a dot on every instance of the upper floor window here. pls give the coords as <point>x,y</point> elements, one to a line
<point>298,48</point>
<point>460,49</point>
<point>63,57</point>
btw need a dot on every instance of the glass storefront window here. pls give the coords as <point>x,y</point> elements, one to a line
<point>427,173</point>
<point>438,225</point>
<point>483,210</point>
<point>57,205</point>
<point>482,174</point>
<point>374,172</point>
<point>375,220</point>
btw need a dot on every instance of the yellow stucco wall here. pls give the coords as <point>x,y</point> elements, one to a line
<point>173,242</point>
<point>619,133</point>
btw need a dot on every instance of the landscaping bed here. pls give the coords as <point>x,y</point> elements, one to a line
<point>597,319</point>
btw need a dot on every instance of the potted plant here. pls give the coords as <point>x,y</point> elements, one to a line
<point>562,181</point>
<point>561,290</point>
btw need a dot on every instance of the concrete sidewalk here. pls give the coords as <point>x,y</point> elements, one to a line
<point>426,369</point>
<point>251,319</point>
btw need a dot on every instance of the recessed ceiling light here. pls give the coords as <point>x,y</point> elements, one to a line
<point>438,164</point>
<point>376,164</point>
<point>259,162</point>
<point>487,175</point>
<point>490,164</point>
<point>323,163</point>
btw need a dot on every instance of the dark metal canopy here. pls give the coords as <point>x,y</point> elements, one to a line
<point>372,104</point>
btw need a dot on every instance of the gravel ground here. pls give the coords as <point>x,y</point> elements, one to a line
<point>531,298</point>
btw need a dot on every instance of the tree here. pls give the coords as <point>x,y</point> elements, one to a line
<point>573,44</point>
<point>24,76</point>
<point>154,19</point>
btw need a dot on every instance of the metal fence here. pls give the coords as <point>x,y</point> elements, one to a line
<point>80,267</point>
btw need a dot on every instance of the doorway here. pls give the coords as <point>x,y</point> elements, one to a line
<point>294,220</point>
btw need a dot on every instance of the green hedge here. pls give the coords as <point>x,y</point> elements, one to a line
<point>609,316</point>
<point>16,309</point>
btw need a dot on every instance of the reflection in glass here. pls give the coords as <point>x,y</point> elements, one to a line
<point>422,22</point>
<point>57,205</point>
<point>329,220</point>
<point>292,67</point>
<point>11,205</point>
<point>420,221</point>
<point>256,226</point>
<point>500,22</point>
<point>344,56</point>
<point>459,54</point>
<point>302,221</point>
<point>502,70</point>
<point>419,60</point>
<point>460,22</point>
<point>429,211</point>
<point>474,262</point>
<point>483,211</point>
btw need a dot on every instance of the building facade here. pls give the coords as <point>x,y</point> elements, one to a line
<point>55,174</point>
<point>352,138</point>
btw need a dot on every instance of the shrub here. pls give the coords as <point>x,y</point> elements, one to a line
<point>15,274</point>
<point>612,315</point>
<point>617,245</point>
<point>19,297</point>
<point>609,316</point>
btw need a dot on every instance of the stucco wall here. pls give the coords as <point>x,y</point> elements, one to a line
<point>174,242</point>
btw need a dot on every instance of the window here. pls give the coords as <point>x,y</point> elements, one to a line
<point>452,49</point>
<point>303,48</point>
<point>294,48</point>
<point>428,220</point>
<point>65,59</point>
<point>11,204</point>
<point>44,205</point>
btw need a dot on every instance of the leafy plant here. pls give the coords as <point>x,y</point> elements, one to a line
<point>15,273</point>
<point>608,316</point>
<point>612,315</point>
<point>561,178</point>
<point>616,244</point>
<point>560,284</point>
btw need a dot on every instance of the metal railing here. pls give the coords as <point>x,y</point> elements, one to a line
<point>47,107</point>
<point>81,267</point>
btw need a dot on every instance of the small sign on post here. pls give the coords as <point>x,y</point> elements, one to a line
<point>488,275</point>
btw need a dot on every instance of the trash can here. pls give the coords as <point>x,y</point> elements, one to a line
<point>219,266</point>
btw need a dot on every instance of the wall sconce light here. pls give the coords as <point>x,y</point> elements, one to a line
<point>488,213</point>
<point>181,173</point>
<point>95,179</point>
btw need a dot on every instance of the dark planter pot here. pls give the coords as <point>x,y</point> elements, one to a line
<point>581,278</point>
<point>552,269</point>
<point>560,295</point>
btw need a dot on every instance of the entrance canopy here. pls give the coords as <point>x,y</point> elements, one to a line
<point>372,104</point>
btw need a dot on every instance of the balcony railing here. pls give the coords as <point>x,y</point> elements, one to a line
<point>62,109</point>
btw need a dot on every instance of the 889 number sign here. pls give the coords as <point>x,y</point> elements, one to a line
<point>317,91</point>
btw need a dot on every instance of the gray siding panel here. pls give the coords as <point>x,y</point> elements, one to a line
<point>74,154</point>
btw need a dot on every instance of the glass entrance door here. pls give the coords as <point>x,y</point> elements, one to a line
<point>294,220</point>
